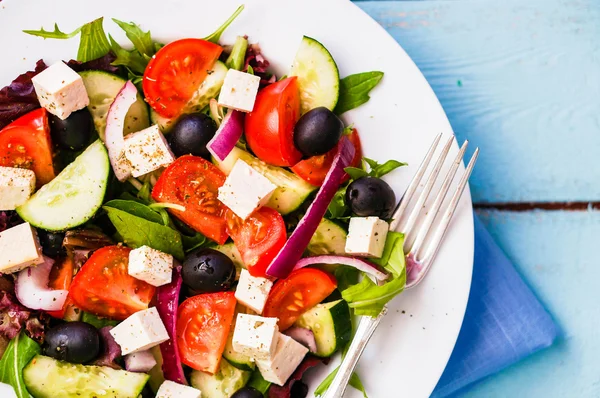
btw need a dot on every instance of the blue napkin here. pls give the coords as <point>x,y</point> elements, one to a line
<point>504,322</point>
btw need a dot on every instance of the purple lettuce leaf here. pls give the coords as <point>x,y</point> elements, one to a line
<point>103,63</point>
<point>259,64</point>
<point>19,97</point>
<point>14,317</point>
<point>110,349</point>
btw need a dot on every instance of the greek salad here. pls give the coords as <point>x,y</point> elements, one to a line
<point>177,220</point>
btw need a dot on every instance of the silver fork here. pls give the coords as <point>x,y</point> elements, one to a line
<point>421,244</point>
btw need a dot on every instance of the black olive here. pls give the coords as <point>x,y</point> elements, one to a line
<point>317,132</point>
<point>75,342</point>
<point>247,392</point>
<point>371,196</point>
<point>74,132</point>
<point>299,390</point>
<point>191,133</point>
<point>208,271</point>
<point>52,242</point>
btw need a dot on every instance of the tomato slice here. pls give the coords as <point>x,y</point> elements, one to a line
<point>203,324</point>
<point>176,71</point>
<point>298,293</point>
<point>258,238</point>
<point>104,288</point>
<point>313,170</point>
<point>270,126</point>
<point>193,182</point>
<point>61,277</point>
<point>26,143</point>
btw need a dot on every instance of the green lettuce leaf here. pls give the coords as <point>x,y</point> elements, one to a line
<point>96,321</point>
<point>19,352</point>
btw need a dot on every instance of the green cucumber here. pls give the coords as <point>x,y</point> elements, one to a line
<point>291,190</point>
<point>74,196</point>
<point>102,89</point>
<point>329,238</point>
<point>222,384</point>
<point>209,89</point>
<point>233,253</point>
<point>331,325</point>
<point>237,359</point>
<point>46,377</point>
<point>318,76</point>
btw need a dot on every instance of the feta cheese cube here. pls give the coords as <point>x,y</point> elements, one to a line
<point>245,189</point>
<point>141,361</point>
<point>147,150</point>
<point>7,391</point>
<point>284,361</point>
<point>253,291</point>
<point>150,265</point>
<point>140,331</point>
<point>170,389</point>
<point>16,186</point>
<point>60,90</point>
<point>19,248</point>
<point>239,91</point>
<point>366,236</point>
<point>254,336</point>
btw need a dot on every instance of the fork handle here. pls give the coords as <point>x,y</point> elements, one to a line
<point>364,331</point>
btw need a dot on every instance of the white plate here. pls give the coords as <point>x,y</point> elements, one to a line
<point>410,350</point>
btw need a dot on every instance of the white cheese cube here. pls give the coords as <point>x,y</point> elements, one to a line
<point>150,265</point>
<point>19,248</point>
<point>255,336</point>
<point>16,186</point>
<point>253,291</point>
<point>140,331</point>
<point>147,150</point>
<point>7,391</point>
<point>366,236</point>
<point>60,90</point>
<point>170,389</point>
<point>284,361</point>
<point>141,361</point>
<point>245,190</point>
<point>239,91</point>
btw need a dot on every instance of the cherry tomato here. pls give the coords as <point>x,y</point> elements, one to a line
<point>176,71</point>
<point>270,126</point>
<point>203,324</point>
<point>258,238</point>
<point>61,277</point>
<point>298,293</point>
<point>313,170</point>
<point>193,182</point>
<point>104,288</point>
<point>26,143</point>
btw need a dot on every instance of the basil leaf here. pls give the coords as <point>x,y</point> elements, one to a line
<point>19,352</point>
<point>93,43</point>
<point>142,41</point>
<point>385,168</point>
<point>135,208</point>
<point>355,173</point>
<point>97,322</point>
<point>56,34</point>
<point>237,57</point>
<point>354,90</point>
<point>372,163</point>
<point>216,36</point>
<point>137,231</point>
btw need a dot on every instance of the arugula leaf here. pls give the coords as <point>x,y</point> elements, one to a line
<point>238,54</point>
<point>354,382</point>
<point>133,60</point>
<point>55,34</point>
<point>96,321</point>
<point>216,35</point>
<point>135,208</point>
<point>136,231</point>
<point>142,41</point>
<point>337,208</point>
<point>354,90</point>
<point>19,352</point>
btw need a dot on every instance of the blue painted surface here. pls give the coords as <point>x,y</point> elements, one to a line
<point>521,80</point>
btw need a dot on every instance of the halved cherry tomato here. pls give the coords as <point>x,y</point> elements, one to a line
<point>313,170</point>
<point>203,324</point>
<point>61,277</point>
<point>176,71</point>
<point>258,238</point>
<point>26,143</point>
<point>193,182</point>
<point>104,288</point>
<point>298,293</point>
<point>270,126</point>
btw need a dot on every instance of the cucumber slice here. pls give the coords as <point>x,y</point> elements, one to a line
<point>235,358</point>
<point>331,325</point>
<point>74,196</point>
<point>233,253</point>
<point>46,377</point>
<point>292,190</point>
<point>209,89</point>
<point>329,238</point>
<point>222,384</point>
<point>318,76</point>
<point>102,88</point>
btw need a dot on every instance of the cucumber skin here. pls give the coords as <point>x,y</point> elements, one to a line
<point>343,330</point>
<point>220,385</point>
<point>338,314</point>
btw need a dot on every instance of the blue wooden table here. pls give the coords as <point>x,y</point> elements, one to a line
<point>521,80</point>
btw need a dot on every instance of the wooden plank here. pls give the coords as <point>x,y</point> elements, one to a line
<point>521,80</point>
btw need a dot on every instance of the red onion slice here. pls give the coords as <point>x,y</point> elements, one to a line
<point>372,270</point>
<point>228,134</point>
<point>31,288</point>
<point>303,336</point>
<point>115,123</point>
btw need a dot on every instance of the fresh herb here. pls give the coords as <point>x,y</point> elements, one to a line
<point>250,70</point>
<point>97,322</point>
<point>338,210</point>
<point>216,36</point>
<point>354,382</point>
<point>354,90</point>
<point>19,352</point>
<point>135,208</point>
<point>55,34</point>
<point>132,60</point>
<point>195,242</point>
<point>375,169</point>
<point>142,41</point>
<point>238,54</point>
<point>259,383</point>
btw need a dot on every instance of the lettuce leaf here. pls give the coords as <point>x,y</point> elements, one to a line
<point>19,352</point>
<point>19,97</point>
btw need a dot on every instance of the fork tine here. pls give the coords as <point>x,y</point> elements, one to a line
<point>413,216</point>
<point>437,204</point>
<point>412,187</point>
